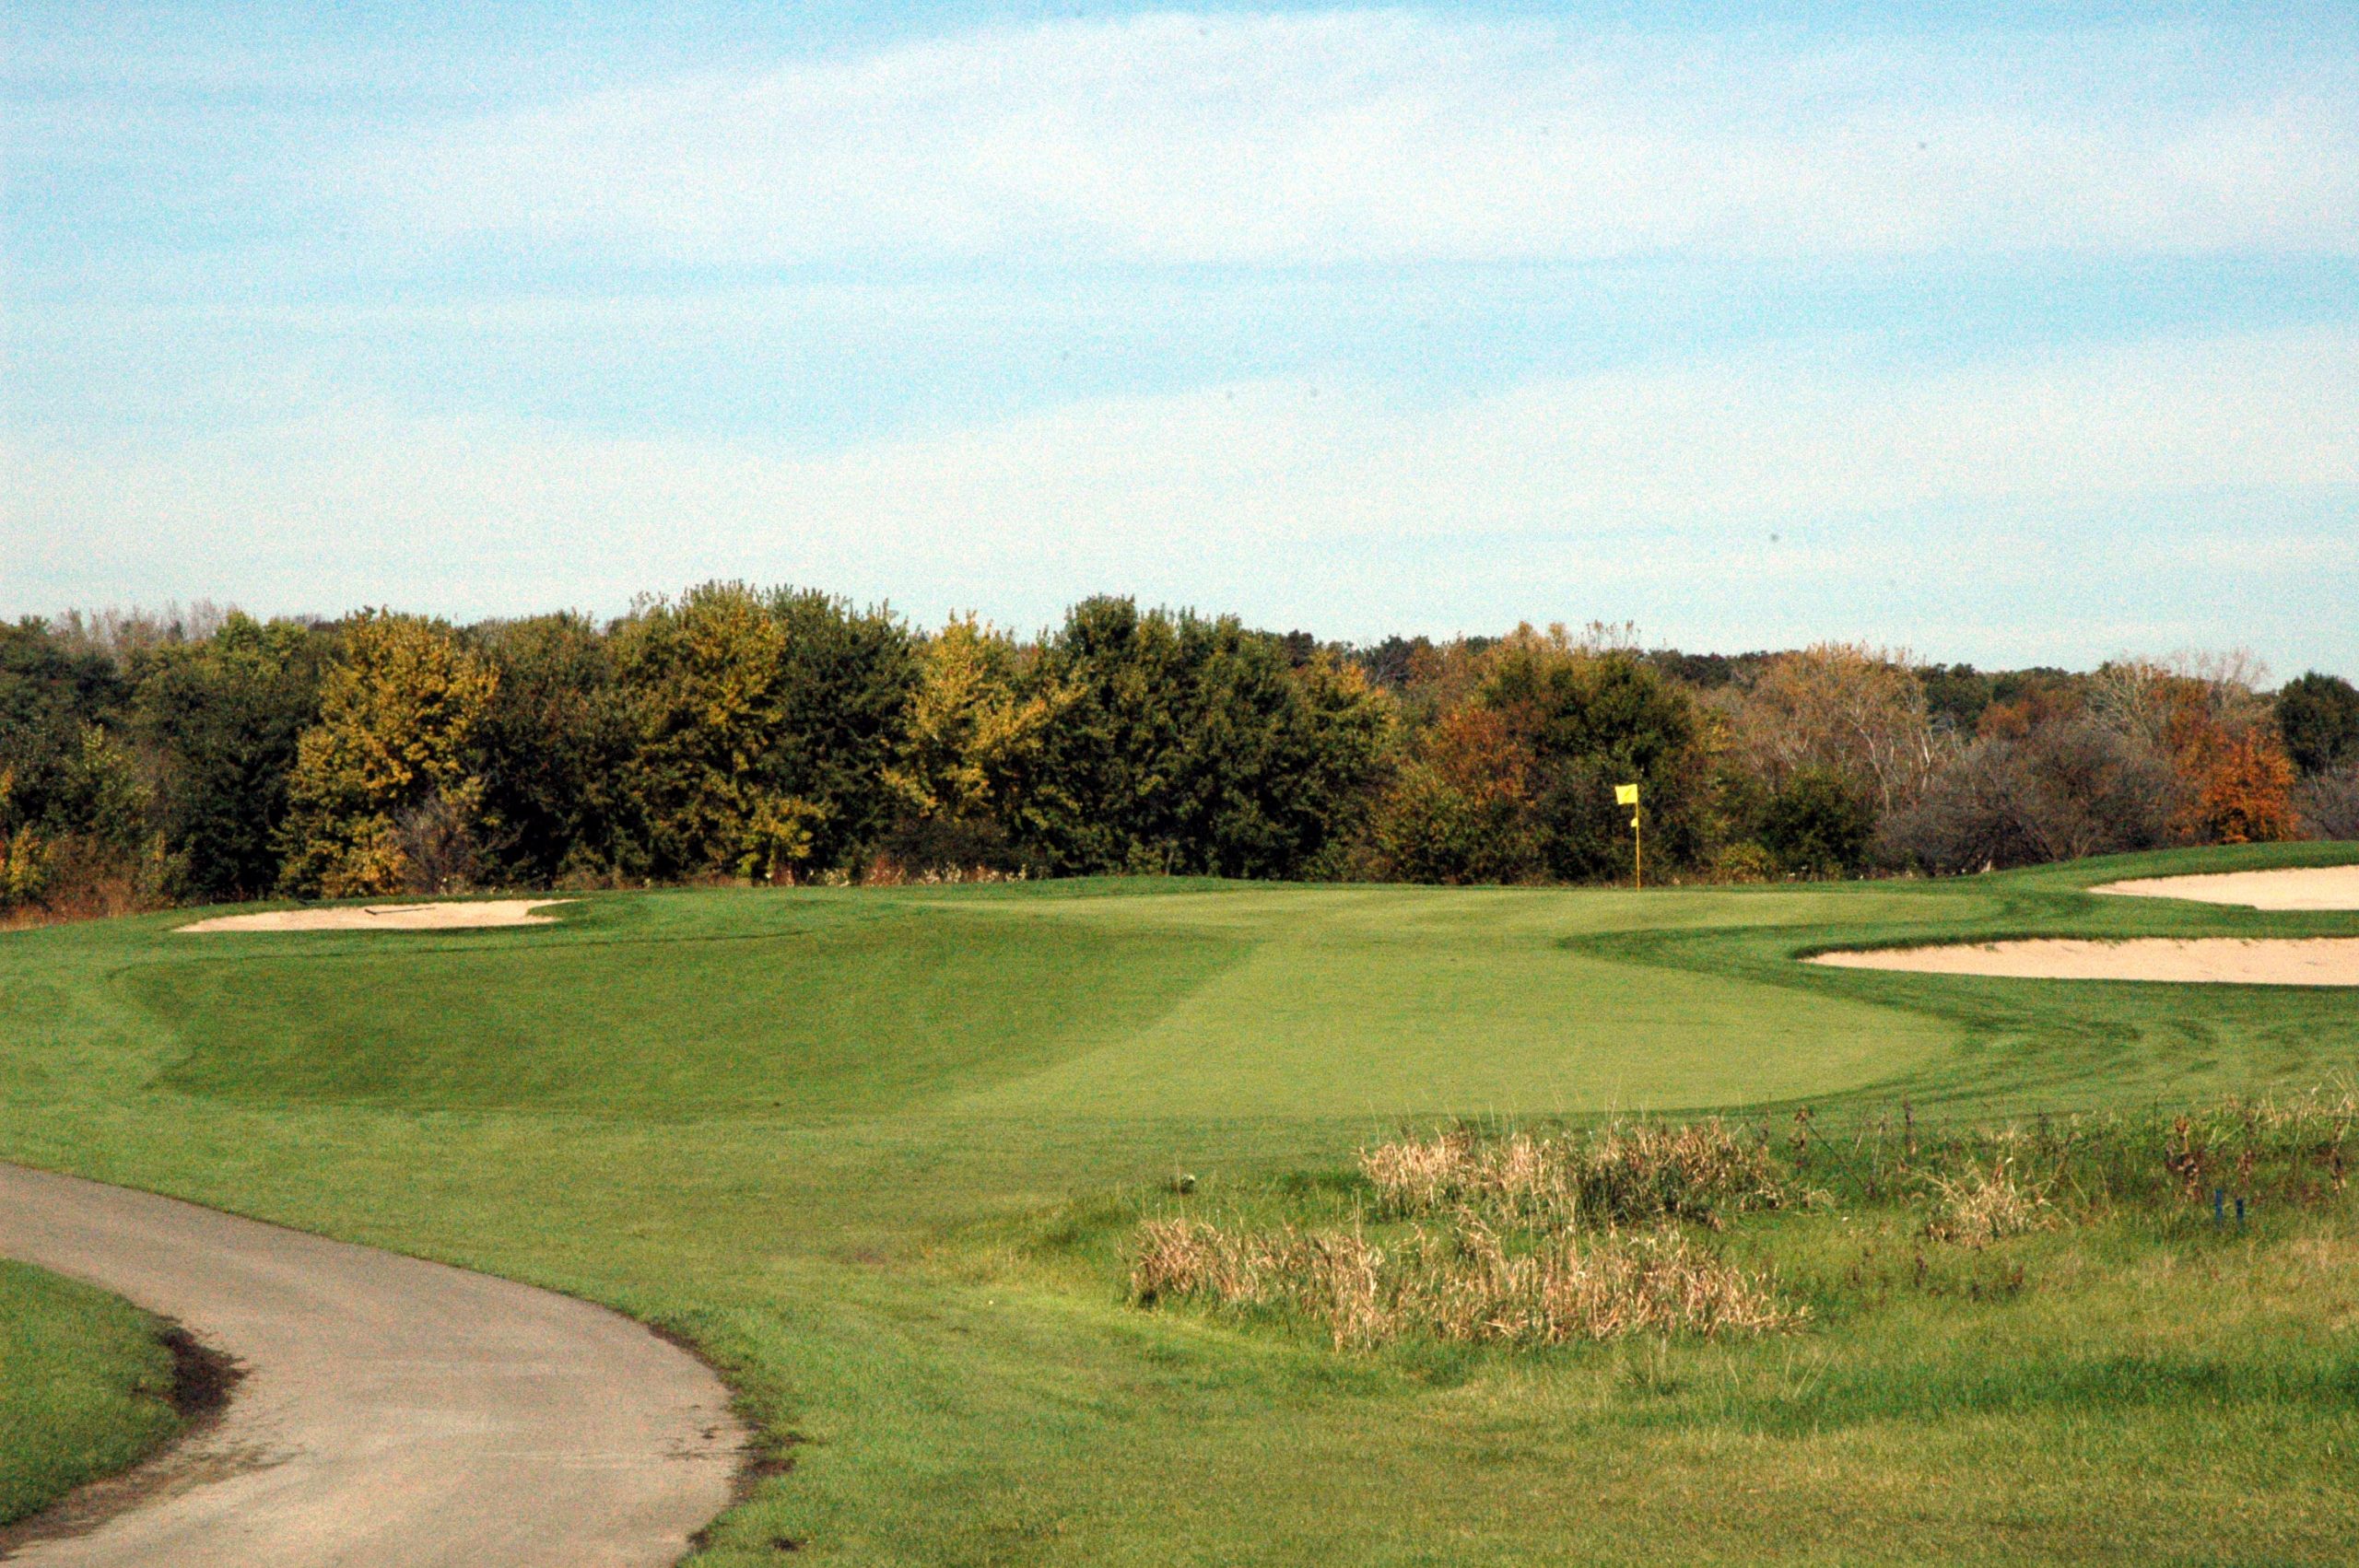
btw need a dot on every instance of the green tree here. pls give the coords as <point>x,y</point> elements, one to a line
<point>1190,744</point>
<point>971,777</point>
<point>762,725</point>
<point>74,804</point>
<point>2319,716</point>
<point>1593,718</point>
<point>221,719</point>
<point>1817,824</point>
<point>551,749</point>
<point>51,695</point>
<point>382,797</point>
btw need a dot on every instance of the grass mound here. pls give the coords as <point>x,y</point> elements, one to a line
<point>85,1388</point>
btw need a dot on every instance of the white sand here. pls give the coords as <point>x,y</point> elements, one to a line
<point>2309,887</point>
<point>2237,961</point>
<point>389,917</point>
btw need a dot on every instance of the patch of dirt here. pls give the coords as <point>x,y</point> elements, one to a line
<point>458,916</point>
<point>202,1376</point>
<point>2305,887</point>
<point>2232,960</point>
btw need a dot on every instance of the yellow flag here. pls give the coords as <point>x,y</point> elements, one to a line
<point>1625,794</point>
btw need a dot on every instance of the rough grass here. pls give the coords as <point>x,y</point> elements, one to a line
<point>84,1387</point>
<point>1493,1249</point>
<point>896,1203</point>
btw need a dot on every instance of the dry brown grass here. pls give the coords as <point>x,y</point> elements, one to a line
<point>99,893</point>
<point>1463,1285</point>
<point>885,871</point>
<point>1627,1174</point>
<point>1984,1203</point>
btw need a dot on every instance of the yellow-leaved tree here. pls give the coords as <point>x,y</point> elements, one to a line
<point>973,750</point>
<point>383,799</point>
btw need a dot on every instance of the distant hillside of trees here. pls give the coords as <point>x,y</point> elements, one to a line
<point>784,735</point>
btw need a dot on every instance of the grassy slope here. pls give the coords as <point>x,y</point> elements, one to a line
<point>83,1385</point>
<point>872,1150</point>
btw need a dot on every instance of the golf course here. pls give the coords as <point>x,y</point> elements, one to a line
<point>882,1156</point>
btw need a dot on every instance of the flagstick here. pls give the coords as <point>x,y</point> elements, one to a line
<point>1638,853</point>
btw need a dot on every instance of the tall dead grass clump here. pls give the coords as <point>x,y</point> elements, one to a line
<point>1986,1203</point>
<point>1463,1285</point>
<point>1627,1174</point>
<point>891,870</point>
<point>1471,1288</point>
<point>1331,1276</point>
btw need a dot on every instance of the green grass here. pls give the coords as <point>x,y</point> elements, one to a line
<point>877,1152</point>
<point>84,1386</point>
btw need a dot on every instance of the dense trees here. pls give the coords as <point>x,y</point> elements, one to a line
<point>2319,717</point>
<point>761,726</point>
<point>2058,790</point>
<point>1511,775</point>
<point>778,734</point>
<point>1856,712</point>
<point>221,718</point>
<point>386,796</point>
<point>71,804</point>
<point>550,747</point>
<point>1187,744</point>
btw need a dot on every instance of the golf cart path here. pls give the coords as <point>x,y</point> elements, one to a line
<point>393,1414</point>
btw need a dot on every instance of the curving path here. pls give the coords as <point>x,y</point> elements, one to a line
<point>393,1414</point>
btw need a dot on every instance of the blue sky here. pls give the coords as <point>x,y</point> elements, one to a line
<point>2012,334</point>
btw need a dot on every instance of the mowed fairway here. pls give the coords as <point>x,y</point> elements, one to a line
<point>877,1152</point>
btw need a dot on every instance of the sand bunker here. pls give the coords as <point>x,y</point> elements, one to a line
<point>2309,887</point>
<point>2227,961</point>
<point>389,917</point>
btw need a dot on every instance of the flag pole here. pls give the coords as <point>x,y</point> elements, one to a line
<point>1627,795</point>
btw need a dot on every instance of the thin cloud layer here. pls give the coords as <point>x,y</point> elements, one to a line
<point>1639,488</point>
<point>1392,137</point>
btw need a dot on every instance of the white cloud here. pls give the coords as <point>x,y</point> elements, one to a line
<point>1982,492</point>
<point>1388,137</point>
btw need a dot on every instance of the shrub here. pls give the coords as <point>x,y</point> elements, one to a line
<point>1817,824</point>
<point>2328,803</point>
<point>2071,788</point>
<point>1743,862</point>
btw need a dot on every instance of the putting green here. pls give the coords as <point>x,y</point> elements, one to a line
<point>1409,1028</point>
<point>1305,1003</point>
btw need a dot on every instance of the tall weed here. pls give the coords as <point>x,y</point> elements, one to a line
<point>1461,1284</point>
<point>1621,1175</point>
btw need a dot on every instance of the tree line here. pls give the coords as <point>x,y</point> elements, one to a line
<point>783,735</point>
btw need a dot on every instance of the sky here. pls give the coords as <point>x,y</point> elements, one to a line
<point>2008,333</point>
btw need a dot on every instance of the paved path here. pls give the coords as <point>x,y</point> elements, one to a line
<point>393,1414</point>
